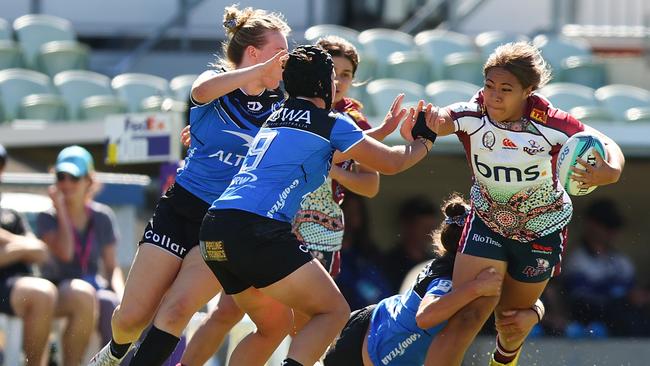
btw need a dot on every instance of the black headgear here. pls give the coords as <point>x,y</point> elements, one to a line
<point>308,73</point>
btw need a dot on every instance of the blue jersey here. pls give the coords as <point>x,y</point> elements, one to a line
<point>394,337</point>
<point>290,157</point>
<point>222,131</point>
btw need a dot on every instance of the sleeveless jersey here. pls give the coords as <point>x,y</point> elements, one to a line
<point>394,337</point>
<point>515,188</point>
<point>289,158</point>
<point>222,131</point>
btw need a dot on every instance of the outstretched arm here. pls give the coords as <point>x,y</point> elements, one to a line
<point>361,180</point>
<point>433,309</point>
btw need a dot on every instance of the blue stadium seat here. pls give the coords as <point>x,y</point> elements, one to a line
<point>592,113</point>
<point>618,98</point>
<point>463,66</point>
<point>489,41</point>
<point>446,92</point>
<point>132,88</point>
<point>76,85</point>
<point>11,56</point>
<point>181,86</point>
<point>15,84</point>
<point>585,70</point>
<point>5,30</point>
<point>98,107</point>
<point>382,92</point>
<point>557,48</point>
<point>437,44</point>
<point>378,43</point>
<point>57,56</point>
<point>34,30</point>
<point>49,107</point>
<point>568,95</point>
<point>410,65</point>
<point>313,33</point>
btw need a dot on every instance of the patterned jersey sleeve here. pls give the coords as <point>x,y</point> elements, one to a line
<point>345,133</point>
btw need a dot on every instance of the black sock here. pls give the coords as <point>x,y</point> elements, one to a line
<point>290,362</point>
<point>156,347</point>
<point>118,350</point>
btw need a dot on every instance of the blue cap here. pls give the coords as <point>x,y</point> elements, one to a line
<point>74,160</point>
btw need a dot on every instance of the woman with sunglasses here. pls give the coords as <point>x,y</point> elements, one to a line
<point>81,234</point>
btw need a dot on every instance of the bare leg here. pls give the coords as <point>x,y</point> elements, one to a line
<point>33,300</point>
<point>77,303</point>
<point>152,273</point>
<point>209,336</point>
<point>193,287</point>
<point>273,321</point>
<point>311,291</point>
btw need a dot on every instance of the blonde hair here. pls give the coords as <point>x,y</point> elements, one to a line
<point>524,61</point>
<point>247,27</point>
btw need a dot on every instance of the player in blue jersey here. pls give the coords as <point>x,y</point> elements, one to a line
<point>399,329</point>
<point>246,236</point>
<point>228,107</point>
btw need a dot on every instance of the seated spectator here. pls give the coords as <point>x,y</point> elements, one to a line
<point>600,280</point>
<point>81,234</point>
<point>21,294</point>
<point>361,281</point>
<point>416,221</point>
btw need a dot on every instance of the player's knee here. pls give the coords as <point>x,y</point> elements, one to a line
<point>129,319</point>
<point>340,311</point>
<point>226,315</point>
<point>176,313</point>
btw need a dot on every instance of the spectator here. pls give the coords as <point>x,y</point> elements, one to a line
<point>416,220</point>
<point>81,234</point>
<point>21,294</point>
<point>361,280</point>
<point>600,280</point>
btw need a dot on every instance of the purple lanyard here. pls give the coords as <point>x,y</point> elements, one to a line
<point>83,248</point>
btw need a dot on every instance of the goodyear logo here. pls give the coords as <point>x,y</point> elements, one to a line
<point>538,115</point>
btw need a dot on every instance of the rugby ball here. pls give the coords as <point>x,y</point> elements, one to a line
<point>581,145</point>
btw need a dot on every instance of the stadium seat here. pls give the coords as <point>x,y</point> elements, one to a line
<point>11,55</point>
<point>618,98</point>
<point>76,85</point>
<point>34,30</point>
<point>152,104</point>
<point>379,42</point>
<point>409,65</point>
<point>592,113</point>
<point>5,30</point>
<point>99,106</point>
<point>446,92</point>
<point>463,66</point>
<point>584,70</point>
<point>57,56</point>
<point>437,44</point>
<point>132,88</point>
<point>382,92</point>
<point>49,107</point>
<point>15,84</point>
<point>568,95</point>
<point>181,86</point>
<point>489,41</point>
<point>639,114</point>
<point>557,48</point>
<point>313,33</point>
<point>3,118</point>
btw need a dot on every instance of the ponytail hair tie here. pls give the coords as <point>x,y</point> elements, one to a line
<point>230,23</point>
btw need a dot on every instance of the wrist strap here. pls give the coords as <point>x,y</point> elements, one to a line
<point>538,308</point>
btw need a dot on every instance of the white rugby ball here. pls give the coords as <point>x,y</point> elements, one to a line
<point>581,145</point>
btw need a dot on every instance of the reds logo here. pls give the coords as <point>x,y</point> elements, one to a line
<point>542,266</point>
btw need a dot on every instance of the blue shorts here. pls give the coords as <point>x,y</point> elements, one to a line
<point>534,261</point>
